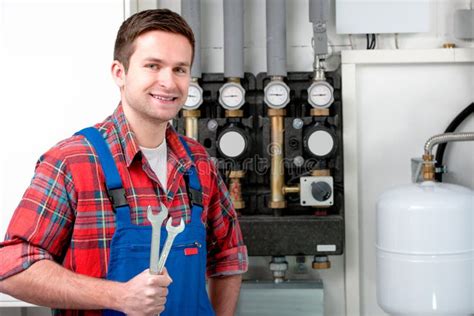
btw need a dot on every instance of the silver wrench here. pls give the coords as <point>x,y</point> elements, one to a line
<point>173,231</point>
<point>156,223</point>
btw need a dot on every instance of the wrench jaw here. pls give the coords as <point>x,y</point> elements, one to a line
<point>158,218</point>
<point>175,229</point>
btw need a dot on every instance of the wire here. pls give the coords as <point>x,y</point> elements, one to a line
<point>451,128</point>
<point>371,41</point>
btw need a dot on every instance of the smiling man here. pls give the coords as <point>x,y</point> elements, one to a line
<point>79,241</point>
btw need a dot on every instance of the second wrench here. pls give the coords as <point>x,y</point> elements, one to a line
<point>173,231</point>
<point>156,223</point>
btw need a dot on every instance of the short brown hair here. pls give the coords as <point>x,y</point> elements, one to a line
<point>144,21</point>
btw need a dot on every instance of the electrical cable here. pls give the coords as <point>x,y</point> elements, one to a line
<point>371,41</point>
<point>450,129</point>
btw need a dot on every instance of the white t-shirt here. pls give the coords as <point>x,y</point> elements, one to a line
<point>158,160</point>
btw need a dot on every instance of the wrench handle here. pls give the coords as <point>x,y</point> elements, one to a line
<point>155,251</point>
<point>165,253</point>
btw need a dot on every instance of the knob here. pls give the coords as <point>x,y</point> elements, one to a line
<point>321,191</point>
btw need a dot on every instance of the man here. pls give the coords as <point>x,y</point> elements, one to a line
<point>68,244</point>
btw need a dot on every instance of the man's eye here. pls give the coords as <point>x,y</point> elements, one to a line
<point>152,66</point>
<point>181,70</point>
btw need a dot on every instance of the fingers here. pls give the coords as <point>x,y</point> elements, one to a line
<point>167,276</point>
<point>146,293</point>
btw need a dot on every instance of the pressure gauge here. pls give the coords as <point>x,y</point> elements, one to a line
<point>277,94</point>
<point>232,143</point>
<point>194,99</point>
<point>231,96</point>
<point>320,94</point>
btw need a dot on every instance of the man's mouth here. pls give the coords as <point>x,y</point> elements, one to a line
<point>163,98</point>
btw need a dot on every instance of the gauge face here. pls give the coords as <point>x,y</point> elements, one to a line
<point>320,143</point>
<point>277,95</point>
<point>232,144</point>
<point>194,99</point>
<point>232,96</point>
<point>320,94</point>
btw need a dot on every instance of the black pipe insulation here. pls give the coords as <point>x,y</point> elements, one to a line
<point>450,129</point>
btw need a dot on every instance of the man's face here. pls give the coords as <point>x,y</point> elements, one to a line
<point>156,84</point>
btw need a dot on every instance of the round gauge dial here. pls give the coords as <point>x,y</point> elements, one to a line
<point>277,94</point>
<point>231,96</point>
<point>232,143</point>
<point>321,94</point>
<point>194,99</point>
<point>320,143</point>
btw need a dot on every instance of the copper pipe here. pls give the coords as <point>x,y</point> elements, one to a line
<point>277,174</point>
<point>294,189</point>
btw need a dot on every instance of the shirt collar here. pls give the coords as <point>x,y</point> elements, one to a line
<point>130,146</point>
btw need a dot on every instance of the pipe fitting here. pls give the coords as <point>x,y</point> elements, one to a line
<point>319,112</point>
<point>234,113</point>
<point>278,266</point>
<point>321,262</point>
<point>293,189</point>
<point>235,188</point>
<point>428,159</point>
<point>191,118</point>
<point>428,168</point>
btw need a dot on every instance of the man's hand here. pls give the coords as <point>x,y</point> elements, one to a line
<point>46,283</point>
<point>146,293</point>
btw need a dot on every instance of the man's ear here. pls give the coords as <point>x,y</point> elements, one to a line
<point>118,73</point>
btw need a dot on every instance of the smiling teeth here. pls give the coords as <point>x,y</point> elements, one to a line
<point>162,98</point>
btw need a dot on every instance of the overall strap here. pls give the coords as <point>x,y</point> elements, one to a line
<point>194,186</point>
<point>113,182</point>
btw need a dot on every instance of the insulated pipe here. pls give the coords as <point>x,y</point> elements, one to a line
<point>233,38</point>
<point>319,15</point>
<point>428,162</point>
<point>191,12</point>
<point>276,37</point>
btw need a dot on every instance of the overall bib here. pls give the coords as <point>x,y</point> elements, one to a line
<point>130,245</point>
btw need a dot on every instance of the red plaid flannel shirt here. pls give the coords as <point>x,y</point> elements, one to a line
<point>65,214</point>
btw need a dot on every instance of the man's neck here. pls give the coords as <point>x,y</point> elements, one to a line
<point>148,133</point>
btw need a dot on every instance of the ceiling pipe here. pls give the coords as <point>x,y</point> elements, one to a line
<point>191,12</point>
<point>276,38</point>
<point>233,38</point>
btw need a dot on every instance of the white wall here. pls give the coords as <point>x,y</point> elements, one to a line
<point>52,72</point>
<point>55,58</point>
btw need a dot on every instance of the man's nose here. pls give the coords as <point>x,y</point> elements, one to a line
<point>166,78</point>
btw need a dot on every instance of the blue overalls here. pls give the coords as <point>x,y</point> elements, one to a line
<point>130,246</point>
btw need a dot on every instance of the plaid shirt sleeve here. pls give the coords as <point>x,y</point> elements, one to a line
<point>227,254</point>
<point>41,225</point>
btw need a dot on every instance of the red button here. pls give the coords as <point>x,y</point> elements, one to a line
<point>191,251</point>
